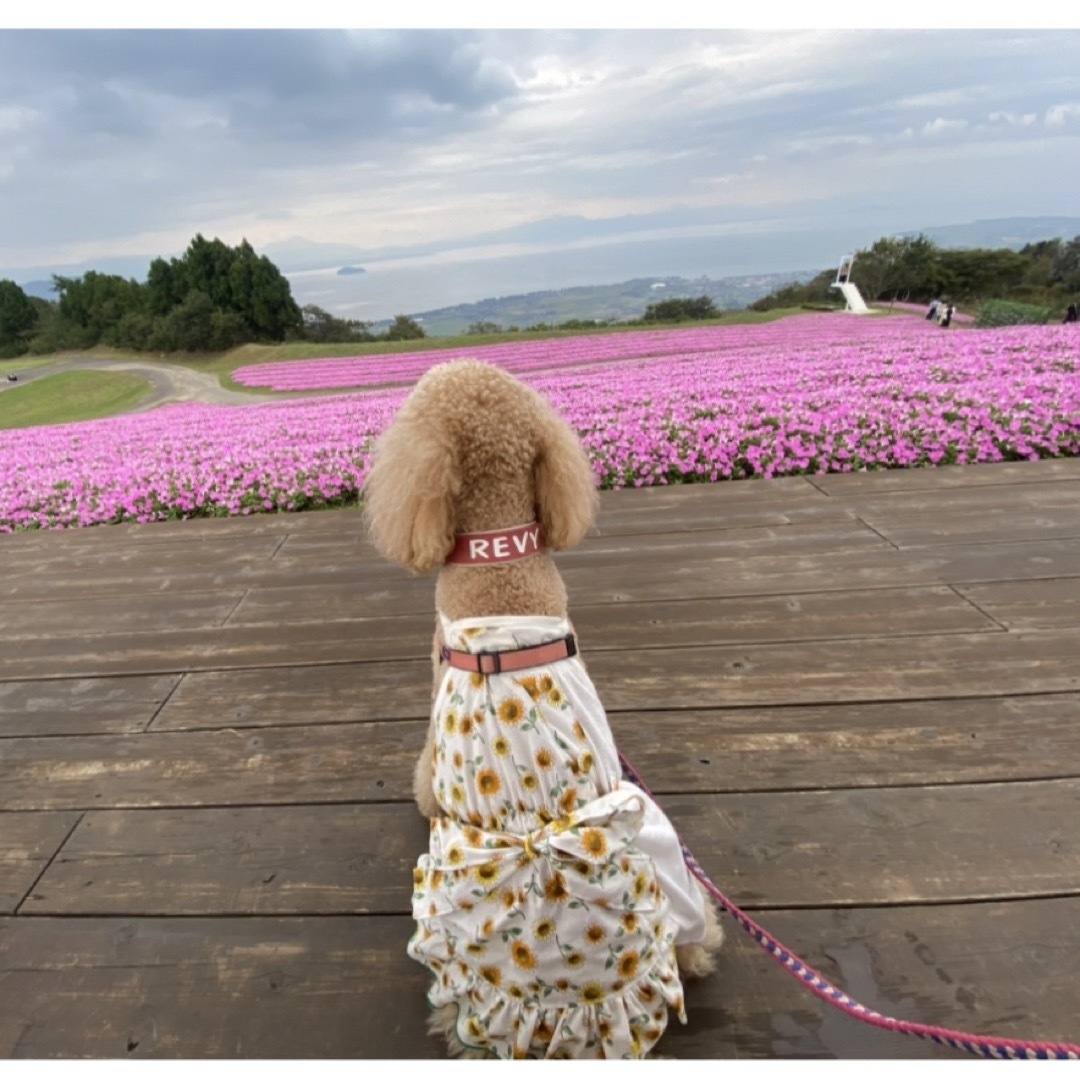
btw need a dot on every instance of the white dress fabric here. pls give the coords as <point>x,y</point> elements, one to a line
<point>553,892</point>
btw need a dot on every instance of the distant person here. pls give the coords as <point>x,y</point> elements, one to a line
<point>947,315</point>
<point>1071,315</point>
<point>932,314</point>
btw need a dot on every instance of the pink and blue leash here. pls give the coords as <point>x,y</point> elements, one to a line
<point>982,1045</point>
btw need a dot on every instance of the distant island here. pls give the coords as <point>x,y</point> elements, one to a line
<point>351,270</point>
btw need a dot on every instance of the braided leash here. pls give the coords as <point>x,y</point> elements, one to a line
<point>983,1045</point>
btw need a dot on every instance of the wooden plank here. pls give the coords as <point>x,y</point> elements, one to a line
<point>845,535</point>
<point>296,625</point>
<point>890,669</point>
<point>856,563</point>
<point>255,988</point>
<point>206,575</point>
<point>837,848</point>
<point>846,559</point>
<point>131,614</point>
<point>703,751</point>
<point>272,697</point>
<point>27,843</point>
<point>705,621</point>
<point>850,848</point>
<point>1001,969</point>
<point>312,860</point>
<point>263,766</point>
<point>1027,561</point>
<point>330,988</point>
<point>1000,525</point>
<point>847,746</point>
<point>992,500</point>
<point>793,617</point>
<point>692,507</point>
<point>151,534</point>
<point>657,500</point>
<point>82,706</point>
<point>942,666</point>
<point>749,575</point>
<point>153,560</point>
<point>203,649</point>
<point>1028,605</point>
<point>993,474</point>
<point>209,567</point>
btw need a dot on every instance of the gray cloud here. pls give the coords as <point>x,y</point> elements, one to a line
<point>130,141</point>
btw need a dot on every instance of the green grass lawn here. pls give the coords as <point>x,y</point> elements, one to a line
<point>69,397</point>
<point>23,363</point>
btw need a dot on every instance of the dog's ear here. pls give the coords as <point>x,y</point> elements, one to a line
<point>566,497</point>
<point>411,490</point>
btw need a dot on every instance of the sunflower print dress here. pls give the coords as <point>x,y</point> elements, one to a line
<point>553,892</point>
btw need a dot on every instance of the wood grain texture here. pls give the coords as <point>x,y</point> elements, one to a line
<point>837,848</point>
<point>857,696</point>
<point>75,706</point>
<point>27,843</point>
<point>338,988</point>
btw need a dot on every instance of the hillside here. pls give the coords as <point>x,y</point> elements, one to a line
<point>618,302</point>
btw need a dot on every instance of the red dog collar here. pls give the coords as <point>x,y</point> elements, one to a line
<point>497,545</point>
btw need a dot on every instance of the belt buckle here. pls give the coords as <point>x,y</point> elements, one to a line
<point>495,664</point>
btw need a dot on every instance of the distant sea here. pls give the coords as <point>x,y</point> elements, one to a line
<point>408,286</point>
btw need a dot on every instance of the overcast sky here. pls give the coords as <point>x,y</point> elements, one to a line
<point>129,142</point>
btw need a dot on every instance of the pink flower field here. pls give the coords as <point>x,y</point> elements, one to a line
<point>526,357</point>
<point>810,394</point>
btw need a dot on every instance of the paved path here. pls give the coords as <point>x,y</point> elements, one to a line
<point>168,382</point>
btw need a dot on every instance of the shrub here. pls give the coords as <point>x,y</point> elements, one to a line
<point>1012,313</point>
<point>681,310</point>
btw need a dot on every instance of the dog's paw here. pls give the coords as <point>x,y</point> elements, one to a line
<point>695,960</point>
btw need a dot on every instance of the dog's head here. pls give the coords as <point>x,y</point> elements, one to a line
<point>473,448</point>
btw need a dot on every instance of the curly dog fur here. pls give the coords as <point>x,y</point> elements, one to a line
<point>473,449</point>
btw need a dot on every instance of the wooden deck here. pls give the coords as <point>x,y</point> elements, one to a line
<point>857,696</point>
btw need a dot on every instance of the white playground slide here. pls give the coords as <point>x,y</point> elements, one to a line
<point>855,303</point>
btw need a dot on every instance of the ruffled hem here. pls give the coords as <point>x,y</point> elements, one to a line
<point>619,1025</point>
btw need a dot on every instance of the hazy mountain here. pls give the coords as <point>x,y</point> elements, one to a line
<point>296,254</point>
<point>1002,232</point>
<point>618,302</point>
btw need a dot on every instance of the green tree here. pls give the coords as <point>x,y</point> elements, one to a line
<point>165,286</point>
<point>817,292</point>
<point>188,327</point>
<point>320,325</point>
<point>95,304</point>
<point>237,282</point>
<point>681,310</point>
<point>18,317</point>
<point>975,273</point>
<point>404,329</point>
<point>207,267</point>
<point>899,268</point>
<point>1065,268</point>
<point>261,294</point>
